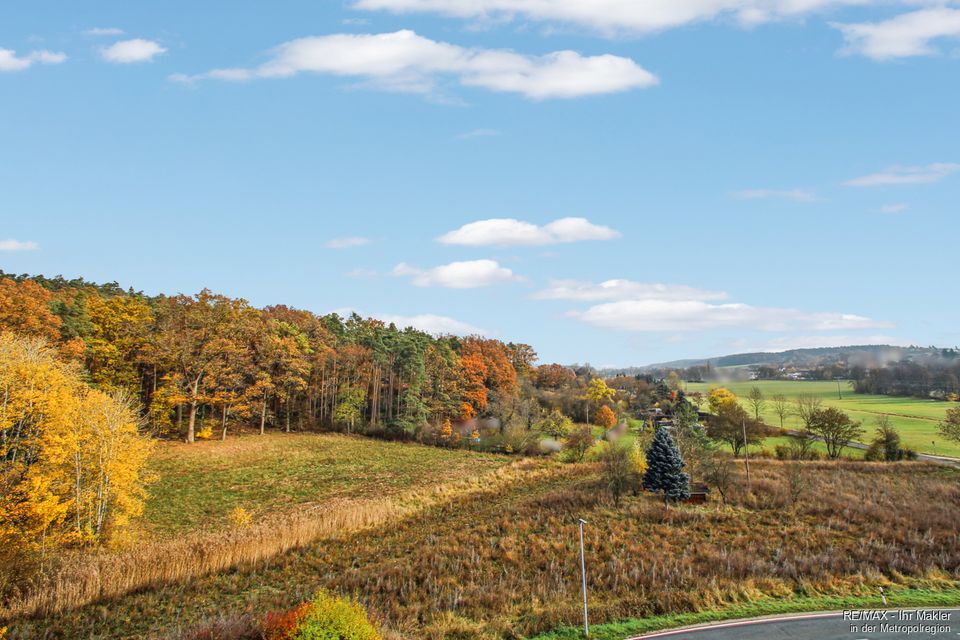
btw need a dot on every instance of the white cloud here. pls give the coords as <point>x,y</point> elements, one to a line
<point>17,245</point>
<point>509,231</point>
<point>620,289</point>
<point>132,51</point>
<point>427,322</point>
<point>478,133</point>
<point>362,272</point>
<point>906,175</point>
<point>9,61</point>
<point>104,31</point>
<point>800,195</point>
<point>468,274</point>
<point>898,207</point>
<point>903,36</point>
<point>694,315</point>
<point>405,61</point>
<point>616,16</point>
<point>347,243</point>
<point>433,324</point>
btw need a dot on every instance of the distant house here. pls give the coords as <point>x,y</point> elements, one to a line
<point>699,493</point>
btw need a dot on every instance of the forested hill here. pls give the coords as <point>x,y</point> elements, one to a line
<point>862,355</point>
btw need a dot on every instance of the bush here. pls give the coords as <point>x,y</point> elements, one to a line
<point>596,451</point>
<point>577,443</point>
<point>332,618</point>
<point>520,440</point>
<point>240,517</point>
<point>326,617</point>
<point>555,424</point>
<point>886,446</point>
<point>281,625</point>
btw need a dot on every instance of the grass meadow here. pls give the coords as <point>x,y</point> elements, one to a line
<point>197,486</point>
<point>498,558</point>
<point>915,418</point>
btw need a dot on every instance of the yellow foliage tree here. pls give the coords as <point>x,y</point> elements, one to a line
<point>597,393</point>
<point>720,398</point>
<point>121,329</point>
<point>71,457</point>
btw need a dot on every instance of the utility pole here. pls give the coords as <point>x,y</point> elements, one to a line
<point>746,452</point>
<point>583,573</point>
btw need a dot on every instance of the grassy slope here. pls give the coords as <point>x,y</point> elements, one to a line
<point>916,418</point>
<point>198,485</point>
<point>503,563</point>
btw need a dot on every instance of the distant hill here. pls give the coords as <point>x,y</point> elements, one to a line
<point>864,355</point>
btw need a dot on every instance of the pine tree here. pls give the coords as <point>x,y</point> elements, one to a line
<point>665,468</point>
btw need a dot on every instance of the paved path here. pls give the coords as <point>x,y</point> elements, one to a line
<point>901,624</point>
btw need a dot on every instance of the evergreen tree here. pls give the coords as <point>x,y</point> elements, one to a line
<point>665,468</point>
<point>662,390</point>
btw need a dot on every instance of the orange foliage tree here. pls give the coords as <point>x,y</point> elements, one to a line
<point>605,417</point>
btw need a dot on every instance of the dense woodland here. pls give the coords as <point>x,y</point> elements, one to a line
<point>201,363</point>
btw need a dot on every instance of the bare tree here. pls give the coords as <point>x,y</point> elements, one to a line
<point>757,401</point>
<point>802,445</point>
<point>782,407</point>
<point>718,472</point>
<point>796,481</point>
<point>807,405</point>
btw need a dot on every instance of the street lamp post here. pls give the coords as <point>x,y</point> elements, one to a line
<point>583,574</point>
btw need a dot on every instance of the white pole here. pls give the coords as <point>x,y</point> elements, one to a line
<point>746,451</point>
<point>583,573</point>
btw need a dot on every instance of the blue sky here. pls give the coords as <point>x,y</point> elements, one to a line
<point>614,182</point>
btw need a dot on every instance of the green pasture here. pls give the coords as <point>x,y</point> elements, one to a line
<point>916,419</point>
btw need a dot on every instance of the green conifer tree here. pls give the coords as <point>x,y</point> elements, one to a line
<point>665,468</point>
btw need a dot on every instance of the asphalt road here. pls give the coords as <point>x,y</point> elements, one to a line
<point>901,623</point>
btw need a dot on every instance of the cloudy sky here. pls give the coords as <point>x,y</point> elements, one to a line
<point>612,181</point>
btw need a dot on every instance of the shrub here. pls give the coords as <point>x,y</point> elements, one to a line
<point>597,451</point>
<point>281,625</point>
<point>240,517</point>
<point>333,618</point>
<point>226,627</point>
<point>326,617</point>
<point>555,424</point>
<point>520,440</point>
<point>577,443</point>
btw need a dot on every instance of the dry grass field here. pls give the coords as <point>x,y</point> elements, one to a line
<point>293,489</point>
<point>500,561</point>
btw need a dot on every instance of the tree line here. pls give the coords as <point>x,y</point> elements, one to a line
<point>198,363</point>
